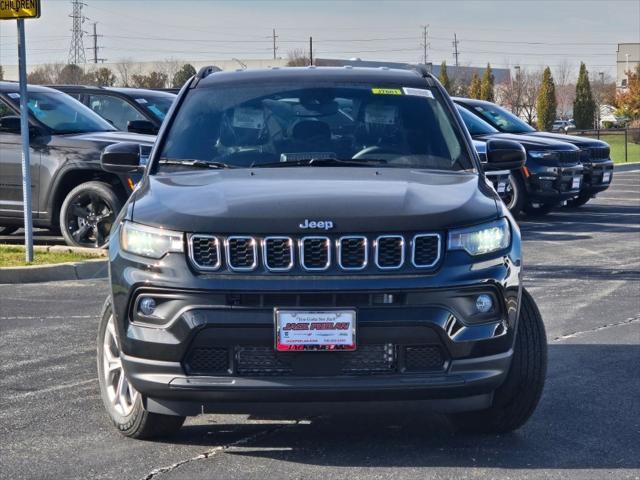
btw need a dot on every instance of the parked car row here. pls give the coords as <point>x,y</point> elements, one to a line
<point>560,169</point>
<point>71,125</point>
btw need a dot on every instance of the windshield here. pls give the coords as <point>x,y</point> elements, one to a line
<point>158,104</point>
<point>475,125</point>
<point>502,119</point>
<point>63,114</point>
<point>270,124</point>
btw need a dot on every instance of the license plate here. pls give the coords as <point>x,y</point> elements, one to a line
<point>502,186</point>
<point>606,177</point>
<point>576,183</point>
<point>323,330</point>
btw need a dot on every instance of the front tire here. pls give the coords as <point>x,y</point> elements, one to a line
<point>88,213</point>
<point>516,399</point>
<point>122,402</point>
<point>516,195</point>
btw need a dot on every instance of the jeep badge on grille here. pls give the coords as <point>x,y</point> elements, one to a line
<point>320,224</point>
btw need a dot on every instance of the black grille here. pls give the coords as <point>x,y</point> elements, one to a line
<point>278,253</point>
<point>208,361</point>
<point>390,252</point>
<point>315,253</point>
<point>265,361</point>
<point>570,156</point>
<point>423,358</point>
<point>205,251</point>
<point>426,250</point>
<point>353,252</point>
<point>599,152</point>
<point>241,253</point>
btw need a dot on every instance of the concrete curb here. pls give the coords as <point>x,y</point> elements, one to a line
<point>623,167</point>
<point>50,273</point>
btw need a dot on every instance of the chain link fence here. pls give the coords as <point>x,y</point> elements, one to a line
<point>624,142</point>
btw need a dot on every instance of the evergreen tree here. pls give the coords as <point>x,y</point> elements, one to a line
<point>185,73</point>
<point>104,77</point>
<point>546,102</point>
<point>584,106</point>
<point>444,78</point>
<point>475,87</point>
<point>486,89</point>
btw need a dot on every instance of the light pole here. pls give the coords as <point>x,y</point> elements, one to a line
<point>517,105</point>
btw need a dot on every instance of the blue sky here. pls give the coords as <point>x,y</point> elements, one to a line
<point>505,33</point>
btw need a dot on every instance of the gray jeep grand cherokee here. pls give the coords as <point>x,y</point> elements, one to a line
<point>312,235</point>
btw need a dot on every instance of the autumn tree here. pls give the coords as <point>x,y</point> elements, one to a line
<point>444,78</point>
<point>104,77</point>
<point>153,80</point>
<point>546,104</point>
<point>185,73</point>
<point>1,73</point>
<point>486,87</point>
<point>584,106</point>
<point>628,100</point>
<point>475,87</point>
<point>71,75</point>
<point>298,58</point>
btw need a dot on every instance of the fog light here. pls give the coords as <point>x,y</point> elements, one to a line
<point>147,306</point>
<point>484,303</point>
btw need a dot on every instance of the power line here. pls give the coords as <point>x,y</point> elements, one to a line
<point>425,44</point>
<point>95,47</point>
<point>76,48</point>
<point>455,48</point>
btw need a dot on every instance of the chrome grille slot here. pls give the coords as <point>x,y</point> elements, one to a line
<point>352,253</point>
<point>389,252</point>
<point>242,253</point>
<point>425,250</point>
<point>570,156</point>
<point>204,252</point>
<point>277,253</point>
<point>315,253</point>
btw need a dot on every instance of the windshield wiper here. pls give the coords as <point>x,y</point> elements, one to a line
<point>195,163</point>
<point>310,162</point>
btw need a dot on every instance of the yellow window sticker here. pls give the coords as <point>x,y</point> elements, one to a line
<point>386,91</point>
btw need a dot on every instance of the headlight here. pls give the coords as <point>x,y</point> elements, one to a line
<point>543,154</point>
<point>149,241</point>
<point>481,239</point>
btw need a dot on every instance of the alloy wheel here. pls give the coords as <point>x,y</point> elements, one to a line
<point>120,392</point>
<point>89,220</point>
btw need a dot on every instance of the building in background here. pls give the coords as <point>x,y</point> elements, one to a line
<point>627,60</point>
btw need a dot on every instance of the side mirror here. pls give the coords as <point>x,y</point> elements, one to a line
<point>10,124</point>
<point>505,155</point>
<point>142,126</point>
<point>122,157</point>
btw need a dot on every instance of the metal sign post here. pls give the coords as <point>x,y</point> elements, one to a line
<point>19,10</point>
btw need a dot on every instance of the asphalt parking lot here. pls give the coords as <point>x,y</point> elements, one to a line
<point>583,268</point>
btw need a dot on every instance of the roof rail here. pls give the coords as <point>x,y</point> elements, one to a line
<point>204,72</point>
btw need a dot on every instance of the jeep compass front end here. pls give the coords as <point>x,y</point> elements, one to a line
<point>316,235</point>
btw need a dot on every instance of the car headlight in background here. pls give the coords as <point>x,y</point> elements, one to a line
<point>481,239</point>
<point>549,155</point>
<point>149,241</point>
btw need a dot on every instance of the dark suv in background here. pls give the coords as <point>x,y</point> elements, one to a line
<point>594,154</point>
<point>311,235</point>
<point>136,110</point>
<point>552,173</point>
<point>69,187</point>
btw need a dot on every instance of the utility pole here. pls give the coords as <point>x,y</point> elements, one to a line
<point>311,50</point>
<point>455,48</point>
<point>76,48</point>
<point>274,43</point>
<point>95,47</point>
<point>425,44</point>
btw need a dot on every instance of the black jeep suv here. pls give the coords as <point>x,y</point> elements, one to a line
<point>594,154</point>
<point>552,173</point>
<point>69,187</point>
<point>312,235</point>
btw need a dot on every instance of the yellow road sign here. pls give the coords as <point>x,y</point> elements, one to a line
<point>15,9</point>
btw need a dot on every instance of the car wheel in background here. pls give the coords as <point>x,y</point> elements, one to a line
<point>88,213</point>
<point>579,200</point>
<point>8,230</point>
<point>515,194</point>
<point>122,402</point>
<point>516,399</point>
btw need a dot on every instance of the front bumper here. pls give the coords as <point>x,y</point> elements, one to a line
<point>554,184</point>
<point>226,315</point>
<point>597,176</point>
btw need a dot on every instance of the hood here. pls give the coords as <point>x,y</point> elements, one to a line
<point>580,142</point>
<point>531,142</point>
<point>101,139</point>
<point>277,200</point>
